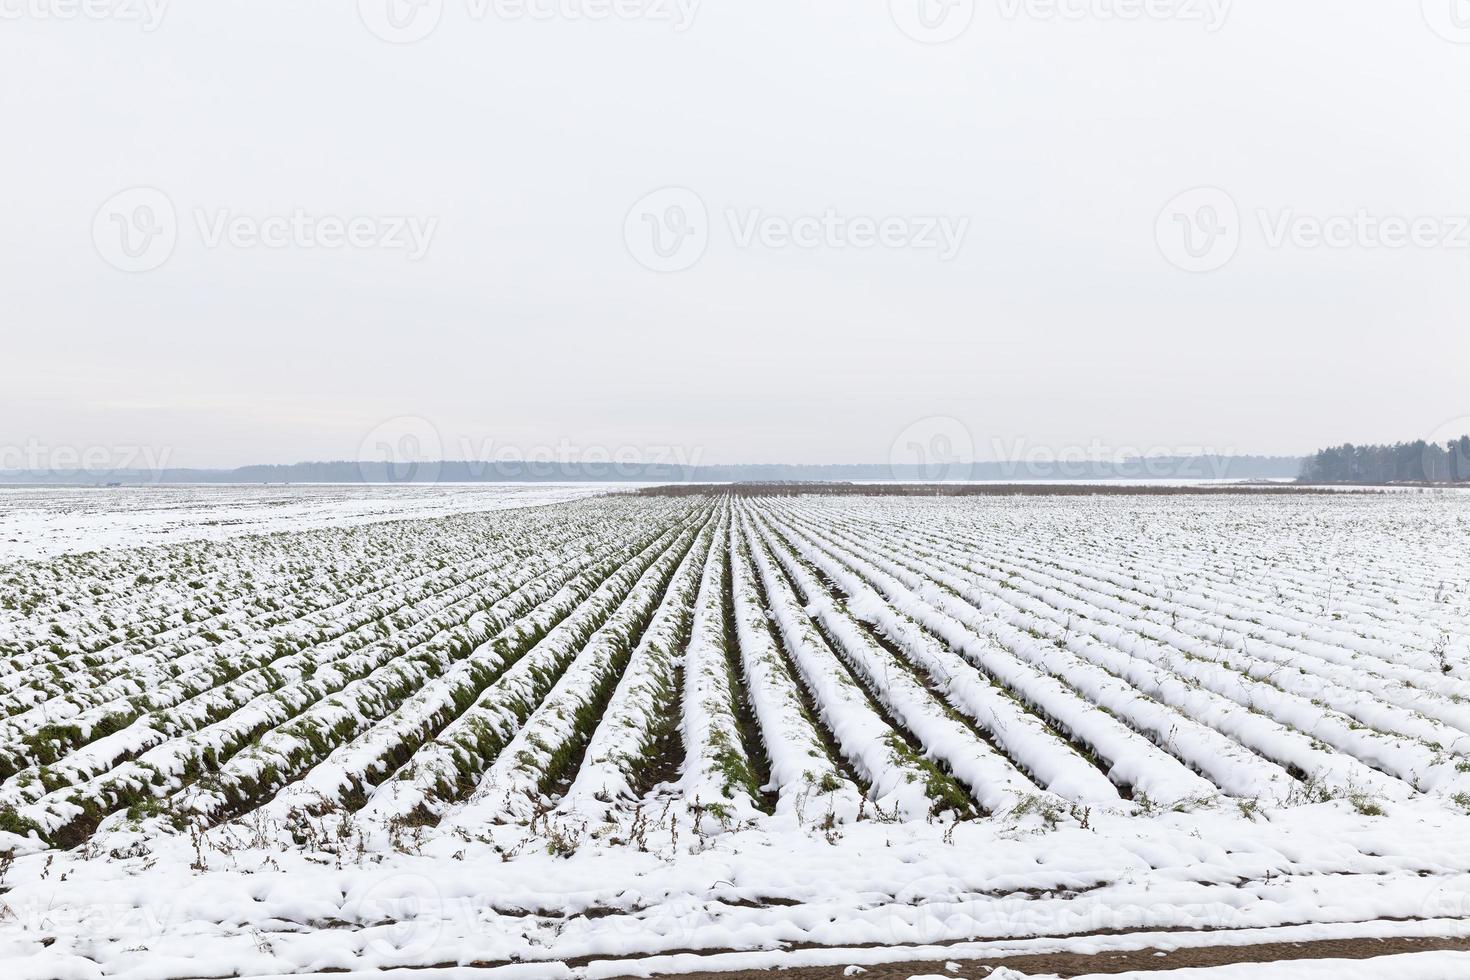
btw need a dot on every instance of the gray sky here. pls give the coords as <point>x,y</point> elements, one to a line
<point>1050,143</point>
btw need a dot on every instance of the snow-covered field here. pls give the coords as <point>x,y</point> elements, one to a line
<point>36,522</point>
<point>631,734</point>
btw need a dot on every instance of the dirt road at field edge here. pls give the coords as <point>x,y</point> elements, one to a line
<point>1074,964</point>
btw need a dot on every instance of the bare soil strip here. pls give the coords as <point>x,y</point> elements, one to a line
<point>1078,964</point>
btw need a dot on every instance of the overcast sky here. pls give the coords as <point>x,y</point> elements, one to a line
<point>757,230</point>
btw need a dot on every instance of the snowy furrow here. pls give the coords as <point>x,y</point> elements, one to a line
<point>1025,667</point>
<point>807,783</point>
<point>896,779</point>
<point>1338,576</point>
<point>358,765</point>
<point>1418,692</point>
<point>1257,594</point>
<point>158,727</point>
<point>287,611</point>
<point>1221,604</point>
<point>618,749</point>
<point>143,693</point>
<point>995,783</point>
<point>177,764</point>
<point>717,769</point>
<point>513,787</point>
<point>1026,739</point>
<point>310,579</point>
<point>1324,684</point>
<point>449,766</point>
<point>238,610</point>
<point>1422,766</point>
<point>1097,669</point>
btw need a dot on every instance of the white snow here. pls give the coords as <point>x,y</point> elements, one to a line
<point>1191,721</point>
<point>38,522</point>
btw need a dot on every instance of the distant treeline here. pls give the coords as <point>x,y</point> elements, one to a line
<point>1404,462</point>
<point>548,471</point>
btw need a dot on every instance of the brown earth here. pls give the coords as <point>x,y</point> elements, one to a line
<point>1075,964</point>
